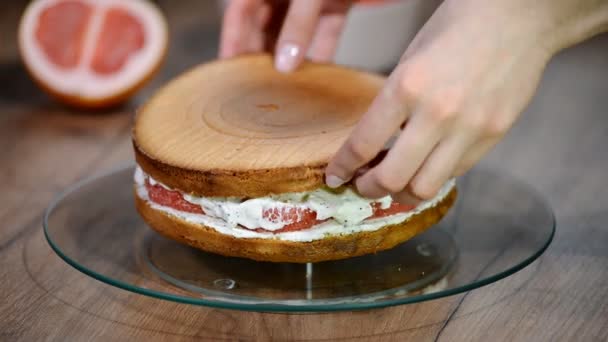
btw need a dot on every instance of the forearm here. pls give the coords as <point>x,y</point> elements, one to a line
<point>559,24</point>
<point>573,21</point>
<point>549,24</point>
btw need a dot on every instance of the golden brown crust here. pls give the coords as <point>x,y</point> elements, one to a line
<point>223,183</point>
<point>330,248</point>
<point>248,130</point>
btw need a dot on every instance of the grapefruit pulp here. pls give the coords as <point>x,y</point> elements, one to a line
<point>298,218</point>
<point>92,53</point>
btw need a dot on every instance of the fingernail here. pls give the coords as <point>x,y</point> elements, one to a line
<point>287,56</point>
<point>333,181</point>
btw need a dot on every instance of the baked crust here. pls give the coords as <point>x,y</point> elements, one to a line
<point>329,248</point>
<point>225,183</point>
<point>248,130</point>
<point>239,128</point>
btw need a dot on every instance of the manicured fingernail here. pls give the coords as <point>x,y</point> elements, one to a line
<point>333,181</point>
<point>287,57</point>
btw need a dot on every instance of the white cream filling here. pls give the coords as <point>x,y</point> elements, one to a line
<point>345,219</point>
<point>346,208</point>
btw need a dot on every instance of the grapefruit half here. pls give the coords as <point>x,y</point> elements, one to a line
<point>92,53</point>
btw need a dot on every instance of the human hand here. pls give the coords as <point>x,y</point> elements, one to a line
<point>459,87</point>
<point>290,28</point>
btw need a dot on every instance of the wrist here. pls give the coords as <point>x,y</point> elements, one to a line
<point>566,23</point>
<point>550,25</point>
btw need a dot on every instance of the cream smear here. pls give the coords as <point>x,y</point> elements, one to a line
<point>346,212</point>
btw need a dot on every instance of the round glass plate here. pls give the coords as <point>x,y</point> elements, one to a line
<point>497,226</point>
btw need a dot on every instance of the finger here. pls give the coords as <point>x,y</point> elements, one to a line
<point>257,36</point>
<point>237,26</point>
<point>406,197</point>
<point>473,156</point>
<point>272,29</point>
<point>296,34</point>
<point>383,118</point>
<point>438,167</point>
<point>325,41</point>
<point>416,142</point>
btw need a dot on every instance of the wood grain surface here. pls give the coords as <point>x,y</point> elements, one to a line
<point>559,146</point>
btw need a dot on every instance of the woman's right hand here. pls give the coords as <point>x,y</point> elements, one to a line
<point>292,29</point>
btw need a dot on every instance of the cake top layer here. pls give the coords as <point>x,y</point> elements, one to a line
<point>241,114</point>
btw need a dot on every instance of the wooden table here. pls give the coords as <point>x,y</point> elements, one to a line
<point>558,145</point>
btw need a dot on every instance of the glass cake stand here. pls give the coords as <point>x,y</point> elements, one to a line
<point>497,226</point>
